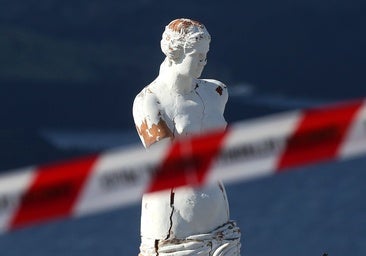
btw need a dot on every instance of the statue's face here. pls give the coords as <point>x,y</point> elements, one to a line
<point>194,60</point>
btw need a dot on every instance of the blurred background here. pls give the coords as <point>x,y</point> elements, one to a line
<point>69,71</point>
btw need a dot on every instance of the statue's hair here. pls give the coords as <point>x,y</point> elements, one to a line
<point>180,35</point>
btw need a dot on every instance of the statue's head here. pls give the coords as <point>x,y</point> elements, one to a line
<point>182,35</point>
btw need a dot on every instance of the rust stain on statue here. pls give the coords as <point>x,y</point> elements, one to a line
<point>155,133</point>
<point>219,90</point>
<point>182,25</point>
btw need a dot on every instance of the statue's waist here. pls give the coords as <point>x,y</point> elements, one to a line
<point>183,211</point>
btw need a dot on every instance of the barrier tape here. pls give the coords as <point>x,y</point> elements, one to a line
<point>246,150</point>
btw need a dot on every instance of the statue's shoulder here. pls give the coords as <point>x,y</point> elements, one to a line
<point>148,118</point>
<point>145,104</point>
<point>216,88</point>
<point>145,96</point>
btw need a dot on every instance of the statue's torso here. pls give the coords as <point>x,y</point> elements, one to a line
<point>186,211</point>
<point>193,211</point>
<point>195,112</point>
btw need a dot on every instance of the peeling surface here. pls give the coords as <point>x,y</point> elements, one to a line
<point>181,25</point>
<point>156,245</point>
<point>219,90</point>
<point>172,194</point>
<point>154,133</point>
<point>221,187</point>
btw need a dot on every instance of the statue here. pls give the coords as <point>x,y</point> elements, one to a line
<point>186,220</point>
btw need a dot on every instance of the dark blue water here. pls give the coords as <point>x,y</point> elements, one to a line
<point>69,71</point>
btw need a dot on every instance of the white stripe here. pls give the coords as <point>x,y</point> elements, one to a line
<point>12,187</point>
<point>355,141</point>
<point>252,149</point>
<point>118,178</point>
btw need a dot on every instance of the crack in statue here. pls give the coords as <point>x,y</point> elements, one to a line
<point>177,104</point>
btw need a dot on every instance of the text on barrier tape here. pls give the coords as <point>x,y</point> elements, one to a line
<point>246,150</point>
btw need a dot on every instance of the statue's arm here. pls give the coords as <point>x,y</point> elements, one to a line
<point>148,118</point>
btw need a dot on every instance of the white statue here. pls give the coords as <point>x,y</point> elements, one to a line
<point>186,220</point>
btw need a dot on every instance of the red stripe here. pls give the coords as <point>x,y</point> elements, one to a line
<point>319,135</point>
<point>188,161</point>
<point>53,192</point>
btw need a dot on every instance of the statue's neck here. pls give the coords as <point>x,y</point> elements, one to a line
<point>174,81</point>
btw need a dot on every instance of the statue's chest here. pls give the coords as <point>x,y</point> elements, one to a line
<point>186,113</point>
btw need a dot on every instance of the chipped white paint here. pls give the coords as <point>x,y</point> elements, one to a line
<point>177,104</point>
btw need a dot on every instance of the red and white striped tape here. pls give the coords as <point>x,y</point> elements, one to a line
<point>244,151</point>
